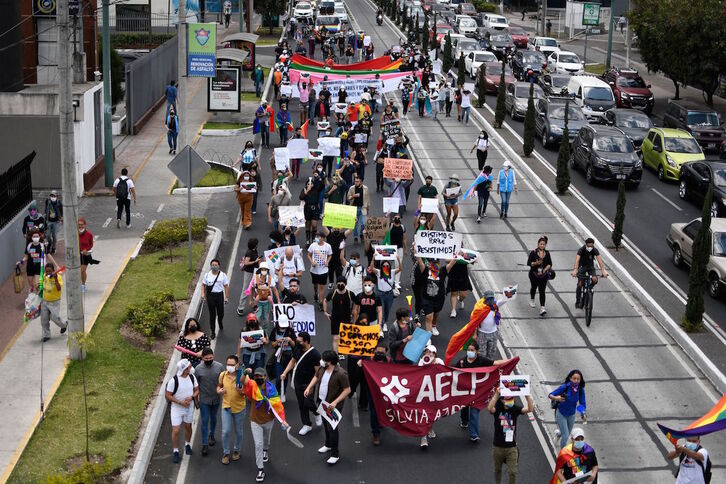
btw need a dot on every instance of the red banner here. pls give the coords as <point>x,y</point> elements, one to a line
<point>378,63</point>
<point>409,399</point>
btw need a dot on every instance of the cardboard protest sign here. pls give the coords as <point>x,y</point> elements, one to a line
<point>390,204</point>
<point>340,216</point>
<point>329,146</point>
<point>297,148</point>
<point>429,205</point>
<point>301,316</point>
<point>398,168</point>
<point>433,244</point>
<point>282,159</point>
<point>274,256</point>
<point>330,414</point>
<point>358,340</point>
<point>376,228</point>
<point>514,385</point>
<point>248,187</point>
<point>416,346</point>
<point>385,252</point>
<point>341,108</point>
<point>291,216</point>
<point>466,255</point>
<point>315,155</point>
<point>251,339</point>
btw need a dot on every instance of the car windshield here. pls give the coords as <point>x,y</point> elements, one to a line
<point>517,31</point>
<point>499,37</point>
<point>523,92</point>
<point>468,46</point>
<point>327,20</point>
<point>547,42</point>
<point>483,58</point>
<point>719,244</point>
<point>498,20</point>
<point>303,6</point>
<point>598,94</point>
<point>634,121</point>
<point>560,82</point>
<point>719,177</point>
<point>682,145</point>
<point>631,82</point>
<point>467,22</point>
<point>532,57</point>
<point>614,144</point>
<point>702,119</point>
<point>569,58</point>
<point>497,71</point>
<point>575,113</point>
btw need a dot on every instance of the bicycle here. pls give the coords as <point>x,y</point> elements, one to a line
<point>588,295</point>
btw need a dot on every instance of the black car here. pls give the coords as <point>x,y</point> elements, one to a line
<point>553,84</point>
<point>500,42</point>
<point>524,59</point>
<point>635,124</point>
<point>443,13</point>
<point>697,176</point>
<point>605,154</point>
<point>550,120</point>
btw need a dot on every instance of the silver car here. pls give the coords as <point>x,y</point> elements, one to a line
<point>516,97</point>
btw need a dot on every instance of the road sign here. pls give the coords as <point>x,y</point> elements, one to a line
<point>179,166</point>
<point>591,14</point>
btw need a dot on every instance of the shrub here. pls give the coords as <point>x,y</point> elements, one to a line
<point>171,232</point>
<point>88,473</point>
<point>501,107</point>
<point>150,317</point>
<point>129,40</point>
<point>617,234</point>
<point>484,6</point>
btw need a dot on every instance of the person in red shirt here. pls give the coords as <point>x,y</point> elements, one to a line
<point>85,244</point>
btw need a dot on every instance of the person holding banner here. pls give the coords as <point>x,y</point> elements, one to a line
<point>397,236</point>
<point>342,302</point>
<point>469,416</point>
<point>505,449</point>
<point>50,308</point>
<point>304,365</point>
<point>452,190</point>
<point>368,303</point>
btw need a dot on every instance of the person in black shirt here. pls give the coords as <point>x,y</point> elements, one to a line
<point>304,364</point>
<point>368,303</point>
<point>585,264</point>
<point>434,293</point>
<point>360,162</point>
<point>336,239</point>
<point>356,376</point>
<point>397,235</point>
<point>342,301</point>
<point>505,412</point>
<point>540,263</point>
<point>248,265</point>
<point>292,295</point>
<point>311,209</point>
<point>346,171</point>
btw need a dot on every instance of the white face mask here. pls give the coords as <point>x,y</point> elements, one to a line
<point>53,199</point>
<point>589,249</point>
<point>368,289</point>
<point>36,240</point>
<point>231,369</point>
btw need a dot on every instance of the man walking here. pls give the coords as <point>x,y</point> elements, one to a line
<point>304,363</point>
<point>183,392</point>
<point>233,407</point>
<point>122,187</point>
<point>506,412</point>
<point>53,217</point>
<point>258,77</point>
<point>358,197</point>
<point>171,95</point>
<point>50,309</point>
<point>208,375</point>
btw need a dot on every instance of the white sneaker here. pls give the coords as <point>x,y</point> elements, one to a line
<point>453,313</point>
<point>461,304</point>
<point>333,460</point>
<point>424,443</point>
<point>531,303</point>
<point>385,326</point>
<point>557,434</point>
<point>431,434</point>
<point>478,220</point>
<point>324,450</point>
<point>434,331</point>
<point>305,430</point>
<point>318,421</point>
<point>542,311</point>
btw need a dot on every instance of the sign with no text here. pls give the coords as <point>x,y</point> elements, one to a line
<point>358,340</point>
<point>398,168</point>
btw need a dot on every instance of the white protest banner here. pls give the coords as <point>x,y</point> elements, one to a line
<point>323,125</point>
<point>329,146</point>
<point>301,316</point>
<point>291,215</point>
<point>514,385</point>
<point>297,149</point>
<point>282,159</point>
<point>429,205</point>
<point>286,90</point>
<point>510,292</point>
<point>366,41</point>
<point>390,204</point>
<point>433,244</point>
<point>450,192</point>
<point>579,478</point>
<point>330,414</point>
<point>251,339</point>
<point>274,256</point>
<point>385,252</point>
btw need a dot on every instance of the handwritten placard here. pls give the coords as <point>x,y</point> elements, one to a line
<point>385,252</point>
<point>391,204</point>
<point>358,340</point>
<point>452,191</point>
<point>398,168</point>
<point>434,244</point>
<point>301,316</point>
<point>339,216</point>
<point>514,385</point>
<point>282,159</point>
<point>360,138</point>
<point>376,228</point>
<point>297,148</point>
<point>291,216</point>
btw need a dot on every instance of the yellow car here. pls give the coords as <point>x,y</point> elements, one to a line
<point>666,149</point>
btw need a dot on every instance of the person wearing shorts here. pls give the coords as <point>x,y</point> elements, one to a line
<point>433,294</point>
<point>319,254</point>
<point>451,201</point>
<point>183,393</point>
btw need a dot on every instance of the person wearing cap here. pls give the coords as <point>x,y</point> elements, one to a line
<point>452,190</point>
<point>429,357</point>
<point>182,391</point>
<point>208,375</point>
<point>231,386</point>
<point>283,341</point>
<point>505,449</point>
<point>53,217</point>
<point>262,117</point>
<point>577,459</point>
<point>489,327</point>
<point>342,301</point>
<point>506,184</point>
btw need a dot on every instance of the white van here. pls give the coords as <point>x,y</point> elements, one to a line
<point>593,95</point>
<point>494,21</point>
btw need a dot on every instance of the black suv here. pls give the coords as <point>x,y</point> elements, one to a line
<point>606,154</point>
<point>527,58</point>
<point>703,123</point>
<point>697,176</point>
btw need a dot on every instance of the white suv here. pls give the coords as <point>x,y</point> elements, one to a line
<point>546,45</point>
<point>494,21</point>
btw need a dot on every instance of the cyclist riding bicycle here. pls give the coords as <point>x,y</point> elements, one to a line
<point>585,264</point>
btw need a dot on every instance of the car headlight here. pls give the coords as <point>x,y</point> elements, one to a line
<point>555,129</point>
<point>625,95</point>
<point>597,161</point>
<point>670,162</point>
<point>638,163</point>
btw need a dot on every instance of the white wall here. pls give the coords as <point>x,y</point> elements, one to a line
<point>84,137</point>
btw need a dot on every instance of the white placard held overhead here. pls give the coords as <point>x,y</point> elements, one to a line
<point>429,205</point>
<point>282,159</point>
<point>297,148</point>
<point>390,204</point>
<point>434,244</point>
<point>329,146</point>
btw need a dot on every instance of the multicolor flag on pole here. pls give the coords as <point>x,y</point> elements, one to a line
<point>481,178</point>
<point>713,421</point>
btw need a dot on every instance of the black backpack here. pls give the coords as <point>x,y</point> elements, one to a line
<point>705,466</point>
<point>176,382</point>
<point>122,189</point>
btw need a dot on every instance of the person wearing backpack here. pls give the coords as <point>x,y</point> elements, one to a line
<point>122,187</point>
<point>172,130</point>
<point>183,393</point>
<point>342,301</point>
<point>566,399</point>
<point>694,463</point>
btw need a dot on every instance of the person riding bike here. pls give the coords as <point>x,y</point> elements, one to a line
<point>585,264</point>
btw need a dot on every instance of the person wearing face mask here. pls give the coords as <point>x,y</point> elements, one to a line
<point>247,157</point>
<point>400,334</point>
<point>336,191</point>
<point>575,459</point>
<point>283,341</point>
<point>428,190</point>
<point>359,197</point>
<point>34,257</point>
<point>182,391</point>
<point>319,255</point>
<point>540,263</point>
<point>246,187</point>
<point>506,184</point>
<point>433,294</point>
<point>216,295</point>
<point>429,357</point>
<point>482,192</point>
<point>566,399</point>
<point>386,276</point>
<point>284,123</point>
<point>193,339</point>
<point>505,449</point>
<point>488,329</point>
<point>585,264</point>
<point>231,385</point>
<point>334,388</point>
<point>397,236</point>
<point>380,355</point>
<point>172,130</point>
<point>263,296</point>
<point>262,122</point>
<point>481,145</point>
<point>452,190</point>
<point>50,309</point>
<point>469,416</point>
<point>280,198</point>
<point>53,217</point>
<point>694,465</point>
<point>368,303</point>
<point>85,245</point>
<point>336,239</point>
<point>304,364</point>
<point>207,374</point>
<point>34,220</point>
<point>311,208</point>
<point>258,77</point>
<point>248,265</point>
<point>338,307</point>
<point>353,273</point>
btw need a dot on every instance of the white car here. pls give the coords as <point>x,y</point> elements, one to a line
<point>465,25</point>
<point>546,45</point>
<point>474,59</point>
<point>563,62</point>
<point>341,13</point>
<point>493,21</point>
<point>303,9</point>
<point>464,46</point>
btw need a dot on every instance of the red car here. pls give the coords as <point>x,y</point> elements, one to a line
<point>426,5</point>
<point>630,89</point>
<point>519,36</point>
<point>493,74</point>
<point>441,31</point>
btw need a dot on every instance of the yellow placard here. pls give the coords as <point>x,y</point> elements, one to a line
<point>339,216</point>
<point>358,340</point>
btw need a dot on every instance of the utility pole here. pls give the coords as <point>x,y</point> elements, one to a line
<point>107,135</point>
<point>241,15</point>
<point>544,18</point>
<point>608,58</point>
<point>181,109</point>
<point>628,36</point>
<point>68,174</point>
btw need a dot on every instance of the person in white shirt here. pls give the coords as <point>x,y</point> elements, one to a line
<point>429,358</point>
<point>434,97</point>
<point>487,331</point>
<point>353,272</point>
<point>216,294</point>
<point>123,186</point>
<point>319,254</point>
<point>481,145</point>
<point>183,393</point>
<point>465,105</point>
<point>289,266</point>
<point>692,461</point>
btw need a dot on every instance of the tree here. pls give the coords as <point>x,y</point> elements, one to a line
<point>461,73</point>
<point>418,31</point>
<point>617,235</point>
<point>562,180</point>
<point>411,27</point>
<point>448,55</point>
<point>481,90</point>
<point>268,9</point>
<point>434,43</point>
<point>529,131</point>
<point>117,75</point>
<point>425,37</point>
<point>501,110</point>
<point>698,277</point>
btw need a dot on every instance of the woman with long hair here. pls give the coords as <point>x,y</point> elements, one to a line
<point>568,399</point>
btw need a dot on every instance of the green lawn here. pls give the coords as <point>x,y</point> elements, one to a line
<point>249,96</point>
<point>267,40</point>
<point>217,177</point>
<point>119,377</point>
<point>598,69</point>
<point>265,31</point>
<point>214,125</point>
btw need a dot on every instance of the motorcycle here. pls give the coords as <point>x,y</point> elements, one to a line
<point>379,19</point>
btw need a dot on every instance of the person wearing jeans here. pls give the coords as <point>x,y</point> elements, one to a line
<point>507,183</point>
<point>568,397</point>
<point>358,197</point>
<point>172,129</point>
<point>386,284</point>
<point>208,375</point>
<point>53,217</point>
<point>465,105</point>
<point>482,192</point>
<point>233,408</point>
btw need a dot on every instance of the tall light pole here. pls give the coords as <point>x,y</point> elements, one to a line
<point>628,36</point>
<point>107,134</point>
<point>68,178</point>
<point>181,110</point>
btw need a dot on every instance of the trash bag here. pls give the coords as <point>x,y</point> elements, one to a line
<point>32,306</point>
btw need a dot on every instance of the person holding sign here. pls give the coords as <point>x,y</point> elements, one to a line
<point>426,191</point>
<point>505,450</point>
<point>434,293</point>
<point>245,189</point>
<point>452,190</point>
<point>540,263</point>
<point>457,285</point>
<point>283,120</point>
<point>311,208</point>
<point>359,197</point>
<point>342,302</point>
<point>253,355</point>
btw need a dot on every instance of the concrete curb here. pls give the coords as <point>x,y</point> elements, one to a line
<point>148,440</point>
<point>225,132</point>
<point>206,190</point>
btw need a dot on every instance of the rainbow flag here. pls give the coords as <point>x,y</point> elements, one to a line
<point>480,311</point>
<point>270,398</point>
<point>481,178</point>
<point>575,461</point>
<point>713,421</point>
<point>304,129</point>
<point>290,127</point>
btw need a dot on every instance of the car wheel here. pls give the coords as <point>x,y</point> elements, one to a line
<point>714,286</point>
<point>677,256</point>
<point>589,176</point>
<point>682,190</point>
<point>661,173</point>
<point>714,209</point>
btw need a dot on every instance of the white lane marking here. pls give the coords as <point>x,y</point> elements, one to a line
<point>161,207</point>
<point>105,224</point>
<point>356,416</point>
<point>669,202</point>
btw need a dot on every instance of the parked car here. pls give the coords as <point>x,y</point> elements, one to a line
<point>593,95</point>
<point>466,9</point>
<point>528,59</point>
<point>550,120</point>
<point>494,21</point>
<point>464,46</point>
<point>516,97</point>
<point>474,60</point>
<point>441,30</point>
<point>493,74</point>
<point>442,11</point>
<point>519,36</point>
<point>563,62</point>
<point>635,124</point>
<point>500,42</point>
<point>465,25</point>
<point>553,84</point>
<point>680,240</point>
<point>666,150</point>
<point>342,14</point>
<point>704,123</point>
<point>303,9</point>
<point>605,154</point>
<point>546,45</point>
<point>630,89</point>
<point>329,22</point>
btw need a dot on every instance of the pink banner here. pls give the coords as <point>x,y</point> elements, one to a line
<point>316,77</point>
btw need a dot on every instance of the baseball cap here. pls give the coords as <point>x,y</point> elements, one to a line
<point>577,432</point>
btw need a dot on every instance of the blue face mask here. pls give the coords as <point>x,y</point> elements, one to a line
<point>578,444</point>
<point>691,446</point>
<point>471,354</point>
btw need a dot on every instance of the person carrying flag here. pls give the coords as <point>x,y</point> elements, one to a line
<point>262,122</point>
<point>283,123</point>
<point>576,459</point>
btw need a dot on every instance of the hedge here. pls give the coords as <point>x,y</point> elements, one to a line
<point>171,232</point>
<point>484,6</point>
